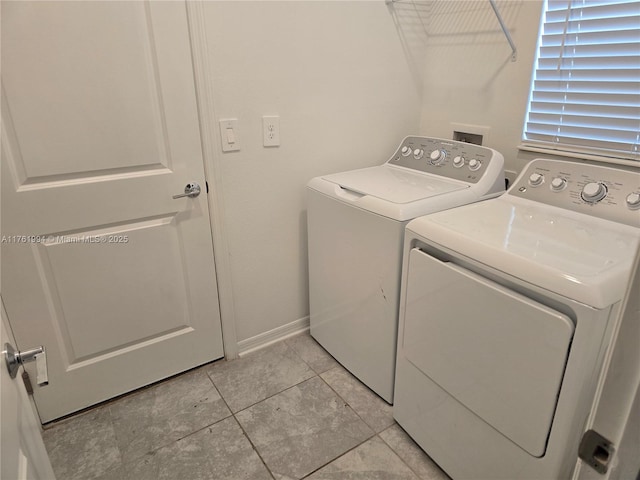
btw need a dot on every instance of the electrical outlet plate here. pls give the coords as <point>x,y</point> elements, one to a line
<point>271,131</point>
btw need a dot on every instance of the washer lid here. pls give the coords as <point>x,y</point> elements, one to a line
<point>393,184</point>
<point>583,258</point>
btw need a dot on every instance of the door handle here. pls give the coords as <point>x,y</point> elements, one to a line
<point>14,359</point>
<point>191,190</point>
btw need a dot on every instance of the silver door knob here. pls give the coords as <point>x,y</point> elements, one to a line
<point>191,190</point>
<point>14,359</point>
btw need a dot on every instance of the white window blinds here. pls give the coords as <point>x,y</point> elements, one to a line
<point>585,94</point>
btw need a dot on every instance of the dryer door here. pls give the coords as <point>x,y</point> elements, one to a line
<point>500,354</point>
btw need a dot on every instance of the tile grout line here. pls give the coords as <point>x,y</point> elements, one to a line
<point>246,435</point>
<point>316,374</point>
<point>339,365</point>
<point>375,434</point>
<point>348,404</point>
<point>155,450</point>
<point>393,450</point>
<point>273,394</point>
<point>357,415</point>
<point>253,447</point>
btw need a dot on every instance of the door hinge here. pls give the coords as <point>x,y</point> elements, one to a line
<point>596,451</point>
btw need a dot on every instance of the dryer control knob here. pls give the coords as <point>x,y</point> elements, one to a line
<point>558,184</point>
<point>458,161</point>
<point>405,151</point>
<point>536,179</point>
<point>418,153</point>
<point>474,164</point>
<point>437,157</point>
<point>633,200</point>
<point>594,192</point>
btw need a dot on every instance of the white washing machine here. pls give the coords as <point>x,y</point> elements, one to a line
<point>356,224</point>
<point>507,311</point>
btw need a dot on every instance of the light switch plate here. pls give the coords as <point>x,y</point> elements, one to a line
<point>229,135</point>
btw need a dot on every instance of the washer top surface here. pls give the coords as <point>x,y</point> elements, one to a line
<point>424,175</point>
<point>582,251</point>
<point>394,184</point>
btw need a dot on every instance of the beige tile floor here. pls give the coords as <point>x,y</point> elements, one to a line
<point>288,411</point>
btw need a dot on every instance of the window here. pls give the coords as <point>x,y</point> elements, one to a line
<point>585,93</point>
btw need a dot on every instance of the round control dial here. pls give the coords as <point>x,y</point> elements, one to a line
<point>458,161</point>
<point>418,153</point>
<point>405,151</point>
<point>536,179</point>
<point>593,192</point>
<point>437,157</point>
<point>474,164</point>
<point>558,184</point>
<point>633,201</point>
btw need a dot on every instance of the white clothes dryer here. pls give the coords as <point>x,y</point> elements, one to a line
<point>506,316</point>
<point>356,222</point>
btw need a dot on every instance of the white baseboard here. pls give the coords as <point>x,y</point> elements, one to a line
<point>272,336</point>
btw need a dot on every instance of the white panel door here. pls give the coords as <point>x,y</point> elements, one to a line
<point>99,130</point>
<point>23,455</point>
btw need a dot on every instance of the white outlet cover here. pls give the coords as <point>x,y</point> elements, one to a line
<point>271,131</point>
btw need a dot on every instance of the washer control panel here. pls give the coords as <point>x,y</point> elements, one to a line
<point>605,192</point>
<point>449,158</point>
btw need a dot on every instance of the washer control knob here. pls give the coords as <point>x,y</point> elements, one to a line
<point>593,192</point>
<point>536,179</point>
<point>418,153</point>
<point>437,157</point>
<point>474,164</point>
<point>633,200</point>
<point>558,184</point>
<point>405,151</point>
<point>458,161</point>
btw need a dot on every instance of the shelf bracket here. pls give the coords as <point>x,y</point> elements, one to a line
<point>505,30</point>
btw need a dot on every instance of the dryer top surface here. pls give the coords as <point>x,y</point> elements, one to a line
<point>581,257</point>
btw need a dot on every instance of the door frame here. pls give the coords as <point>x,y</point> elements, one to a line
<point>211,146</point>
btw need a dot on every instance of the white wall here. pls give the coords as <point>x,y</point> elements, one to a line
<point>346,85</point>
<point>469,77</point>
